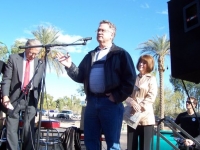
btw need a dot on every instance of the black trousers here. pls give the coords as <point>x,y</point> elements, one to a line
<point>142,133</point>
<point>12,126</point>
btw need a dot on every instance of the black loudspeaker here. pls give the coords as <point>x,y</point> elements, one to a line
<point>184,29</point>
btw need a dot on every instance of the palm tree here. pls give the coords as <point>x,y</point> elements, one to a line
<point>158,47</point>
<point>48,35</point>
<point>3,51</point>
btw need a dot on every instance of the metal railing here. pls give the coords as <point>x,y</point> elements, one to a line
<point>173,126</point>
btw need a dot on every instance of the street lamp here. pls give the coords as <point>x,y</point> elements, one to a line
<point>71,98</point>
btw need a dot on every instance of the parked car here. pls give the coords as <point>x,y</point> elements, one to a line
<point>62,115</point>
<point>76,116</point>
<point>45,113</point>
<point>52,113</point>
<point>68,114</point>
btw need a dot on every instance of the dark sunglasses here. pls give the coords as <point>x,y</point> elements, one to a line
<point>189,102</point>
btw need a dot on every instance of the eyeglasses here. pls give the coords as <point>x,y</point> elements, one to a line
<point>103,30</point>
<point>189,102</point>
<point>33,54</point>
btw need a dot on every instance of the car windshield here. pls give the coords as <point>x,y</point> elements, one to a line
<point>68,112</point>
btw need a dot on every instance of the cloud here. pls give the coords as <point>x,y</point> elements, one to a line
<point>145,6</point>
<point>70,39</point>
<point>164,12</point>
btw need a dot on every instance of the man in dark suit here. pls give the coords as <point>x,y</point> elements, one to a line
<point>13,81</point>
<point>2,67</point>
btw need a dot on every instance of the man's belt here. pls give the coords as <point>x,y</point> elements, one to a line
<point>98,94</point>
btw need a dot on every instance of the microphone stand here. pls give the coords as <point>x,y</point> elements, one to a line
<point>47,46</point>
<point>192,107</point>
<point>47,50</point>
<point>26,93</point>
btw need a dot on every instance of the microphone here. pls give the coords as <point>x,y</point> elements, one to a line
<point>85,39</point>
<point>38,65</point>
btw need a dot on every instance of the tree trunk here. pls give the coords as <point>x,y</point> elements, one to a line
<point>161,96</point>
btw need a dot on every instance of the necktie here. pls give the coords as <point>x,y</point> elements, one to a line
<point>26,74</point>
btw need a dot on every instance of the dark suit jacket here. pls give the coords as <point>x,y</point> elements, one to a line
<point>2,66</point>
<point>12,78</point>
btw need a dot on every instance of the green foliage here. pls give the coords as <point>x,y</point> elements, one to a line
<point>157,47</point>
<point>49,102</point>
<point>174,103</point>
<point>3,51</point>
<point>64,103</point>
<point>15,47</point>
<point>192,88</point>
<point>49,35</point>
<point>46,34</point>
<point>81,90</point>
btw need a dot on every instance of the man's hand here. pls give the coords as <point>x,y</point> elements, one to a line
<point>188,142</point>
<point>134,104</point>
<point>111,98</point>
<point>65,60</point>
<point>6,103</point>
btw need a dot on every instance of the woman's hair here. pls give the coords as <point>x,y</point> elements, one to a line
<point>148,59</point>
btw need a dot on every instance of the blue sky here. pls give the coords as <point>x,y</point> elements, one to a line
<point>136,22</point>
